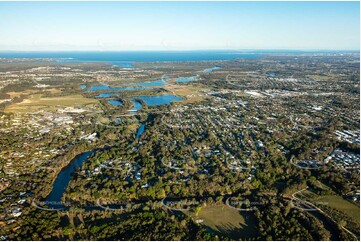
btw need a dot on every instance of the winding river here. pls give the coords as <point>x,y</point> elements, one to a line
<point>53,200</point>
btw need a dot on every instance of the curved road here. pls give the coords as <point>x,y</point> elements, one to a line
<point>315,208</point>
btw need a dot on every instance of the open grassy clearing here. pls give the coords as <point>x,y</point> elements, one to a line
<point>227,221</point>
<point>36,102</point>
<point>333,201</point>
<point>191,93</point>
<point>337,202</point>
<point>32,92</point>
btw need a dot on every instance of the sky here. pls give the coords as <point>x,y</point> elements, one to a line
<point>39,26</point>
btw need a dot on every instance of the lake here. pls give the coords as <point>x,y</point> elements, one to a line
<point>186,79</point>
<point>106,95</point>
<point>152,83</point>
<point>159,100</point>
<point>115,102</point>
<point>136,106</point>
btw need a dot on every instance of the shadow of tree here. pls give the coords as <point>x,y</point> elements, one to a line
<point>243,231</point>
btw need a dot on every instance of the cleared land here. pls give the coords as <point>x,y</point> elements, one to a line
<point>341,204</point>
<point>36,102</point>
<point>333,201</point>
<point>191,93</point>
<point>230,222</point>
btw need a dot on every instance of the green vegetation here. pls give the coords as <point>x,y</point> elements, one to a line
<point>278,132</point>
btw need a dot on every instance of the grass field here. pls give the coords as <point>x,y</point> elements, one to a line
<point>318,77</point>
<point>33,92</point>
<point>333,201</point>
<point>337,202</point>
<point>230,222</point>
<point>36,102</point>
<point>191,93</point>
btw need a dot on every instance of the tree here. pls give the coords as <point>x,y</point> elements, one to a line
<point>197,209</point>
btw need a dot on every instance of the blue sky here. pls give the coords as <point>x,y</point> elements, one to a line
<point>179,25</point>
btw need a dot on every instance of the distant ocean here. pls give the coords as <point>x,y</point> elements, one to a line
<point>135,56</point>
<point>125,58</point>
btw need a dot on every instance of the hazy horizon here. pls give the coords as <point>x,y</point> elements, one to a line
<point>178,26</point>
<point>190,50</point>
